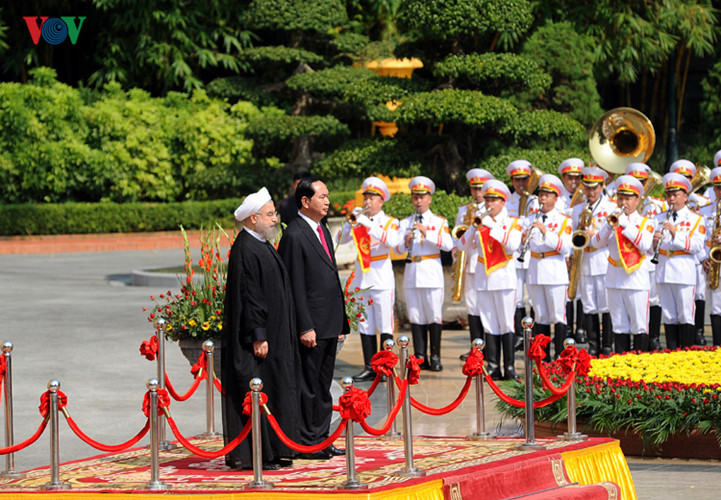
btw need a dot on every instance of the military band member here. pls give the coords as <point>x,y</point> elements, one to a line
<point>424,235</point>
<point>497,239</point>
<point>649,208</point>
<point>476,178</point>
<point>628,236</point>
<point>373,268</point>
<point>695,203</point>
<point>594,263</point>
<point>680,235</point>
<point>571,173</point>
<point>709,213</point>
<point>520,171</point>
<point>550,243</point>
<point>709,193</point>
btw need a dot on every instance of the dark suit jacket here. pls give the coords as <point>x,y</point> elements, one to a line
<point>316,288</point>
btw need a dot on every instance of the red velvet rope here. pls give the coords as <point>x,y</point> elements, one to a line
<point>447,409</point>
<point>537,349</point>
<point>104,447</point>
<point>374,385</point>
<point>303,448</point>
<point>27,442</point>
<point>163,401</point>
<point>199,366</point>
<point>383,362</point>
<point>519,404</point>
<point>149,348</point>
<point>391,416</point>
<point>414,370</point>
<point>248,402</point>
<point>45,402</point>
<point>209,454</point>
<point>548,385</point>
<point>474,363</point>
<point>354,404</point>
<point>3,366</point>
<point>191,391</point>
<point>217,385</point>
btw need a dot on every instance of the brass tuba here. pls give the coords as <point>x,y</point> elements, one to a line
<point>533,182</point>
<point>699,180</point>
<point>459,265</point>
<point>579,241</point>
<point>654,180</point>
<point>620,137</point>
<point>714,253</point>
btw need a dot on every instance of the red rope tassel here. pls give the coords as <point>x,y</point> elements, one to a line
<point>103,447</point>
<point>391,416</point>
<point>209,454</point>
<point>447,409</point>
<point>303,448</point>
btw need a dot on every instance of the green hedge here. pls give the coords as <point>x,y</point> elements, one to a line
<point>80,218</point>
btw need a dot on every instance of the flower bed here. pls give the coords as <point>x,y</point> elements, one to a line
<point>654,396</point>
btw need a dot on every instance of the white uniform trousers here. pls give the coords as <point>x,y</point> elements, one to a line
<point>715,298</point>
<point>654,299</point>
<point>379,314</point>
<point>593,294</point>
<point>496,310</point>
<point>425,305</point>
<point>677,303</point>
<point>470,294</point>
<point>629,310</point>
<point>520,283</point>
<point>549,303</point>
<point>700,283</point>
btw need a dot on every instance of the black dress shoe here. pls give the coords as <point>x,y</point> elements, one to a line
<point>464,357</point>
<point>336,452</point>
<point>316,455</point>
<point>271,466</point>
<point>366,374</point>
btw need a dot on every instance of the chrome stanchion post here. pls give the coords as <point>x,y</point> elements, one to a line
<point>409,469</point>
<point>256,385</point>
<point>351,482</point>
<point>529,428</point>
<point>9,433</point>
<point>392,433</point>
<point>55,483</point>
<point>480,434</point>
<point>572,434</point>
<point>160,330</point>
<point>209,348</point>
<point>155,483</point>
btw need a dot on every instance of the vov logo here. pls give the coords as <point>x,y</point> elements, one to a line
<point>54,30</point>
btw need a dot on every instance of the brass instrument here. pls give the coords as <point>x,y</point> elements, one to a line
<point>620,137</point>
<point>579,241</point>
<point>533,182</point>
<point>612,219</point>
<point>699,180</point>
<point>409,257</point>
<point>459,265</point>
<point>714,253</point>
<point>352,217</point>
<point>657,250</point>
<point>577,196</point>
<point>654,180</point>
<point>522,255</point>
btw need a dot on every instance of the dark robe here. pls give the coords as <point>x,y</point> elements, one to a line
<point>259,306</point>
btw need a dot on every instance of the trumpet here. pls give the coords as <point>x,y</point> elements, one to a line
<point>352,217</point>
<point>612,219</point>
<point>417,218</point>
<point>474,214</point>
<point>522,256</point>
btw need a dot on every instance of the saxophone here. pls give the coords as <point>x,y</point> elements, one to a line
<point>459,265</point>
<point>714,253</point>
<point>579,241</point>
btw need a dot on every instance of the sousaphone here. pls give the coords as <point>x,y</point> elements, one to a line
<point>620,137</point>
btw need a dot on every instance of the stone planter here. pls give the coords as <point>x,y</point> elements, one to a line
<point>192,349</point>
<point>695,445</point>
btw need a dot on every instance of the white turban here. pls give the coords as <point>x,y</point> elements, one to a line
<point>252,204</point>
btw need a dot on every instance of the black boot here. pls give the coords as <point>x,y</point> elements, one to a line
<point>560,334</point>
<point>580,334</point>
<point>607,344</point>
<point>475,329</point>
<point>623,342</point>
<point>539,329</point>
<point>673,333</point>
<point>420,344</point>
<point>518,328</point>
<point>370,347</point>
<point>509,356</point>
<point>570,317</point>
<point>640,342</point>
<point>716,329</point>
<point>688,332</point>
<point>699,319</point>
<point>592,330</point>
<point>491,354</point>
<point>435,334</point>
<point>654,328</point>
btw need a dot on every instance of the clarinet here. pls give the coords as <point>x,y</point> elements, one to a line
<point>409,257</point>
<point>522,255</point>
<point>657,250</point>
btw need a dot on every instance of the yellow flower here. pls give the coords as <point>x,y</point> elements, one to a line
<point>206,326</point>
<point>192,322</point>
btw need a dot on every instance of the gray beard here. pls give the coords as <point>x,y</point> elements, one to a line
<point>269,232</point>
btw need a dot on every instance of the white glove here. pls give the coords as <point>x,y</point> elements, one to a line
<point>623,220</point>
<point>488,221</point>
<point>363,220</point>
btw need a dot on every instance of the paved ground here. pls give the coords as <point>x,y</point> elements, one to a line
<point>73,316</point>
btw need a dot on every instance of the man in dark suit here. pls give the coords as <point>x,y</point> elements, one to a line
<point>307,251</point>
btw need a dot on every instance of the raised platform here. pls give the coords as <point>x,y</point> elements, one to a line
<point>455,469</point>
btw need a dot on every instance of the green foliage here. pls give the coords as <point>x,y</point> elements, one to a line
<point>270,132</point>
<point>361,158</point>
<point>239,88</point>
<point>318,16</point>
<point>69,218</point>
<point>279,54</point>
<point>330,83</point>
<point>495,73</point>
<point>456,106</point>
<point>444,204</point>
<point>545,128</point>
<point>545,159</point>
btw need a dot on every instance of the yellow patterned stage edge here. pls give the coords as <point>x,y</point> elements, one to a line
<point>603,462</point>
<point>431,490</point>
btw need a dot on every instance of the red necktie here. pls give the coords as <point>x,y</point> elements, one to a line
<point>322,241</point>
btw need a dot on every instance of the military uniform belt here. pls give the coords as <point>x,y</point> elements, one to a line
<point>379,257</point>
<point>540,255</point>
<point>418,258</point>
<point>673,253</point>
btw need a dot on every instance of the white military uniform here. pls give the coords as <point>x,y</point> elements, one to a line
<point>423,282</point>
<point>380,280</point>
<point>521,267</point>
<point>709,214</point>
<point>547,276</point>
<point>594,264</point>
<point>496,291</point>
<point>628,297</point>
<point>470,269</point>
